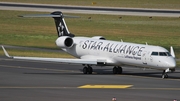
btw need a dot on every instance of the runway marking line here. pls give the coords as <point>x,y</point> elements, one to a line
<point>88,86</point>
<point>106,86</point>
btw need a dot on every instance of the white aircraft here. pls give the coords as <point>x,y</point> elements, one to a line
<point>97,51</point>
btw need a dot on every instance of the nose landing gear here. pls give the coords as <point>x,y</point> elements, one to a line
<point>164,74</point>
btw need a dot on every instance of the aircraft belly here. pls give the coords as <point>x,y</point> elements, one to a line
<point>127,61</point>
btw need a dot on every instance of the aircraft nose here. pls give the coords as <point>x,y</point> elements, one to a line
<point>171,63</point>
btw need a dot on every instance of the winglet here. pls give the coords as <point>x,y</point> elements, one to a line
<point>6,53</point>
<point>172,52</point>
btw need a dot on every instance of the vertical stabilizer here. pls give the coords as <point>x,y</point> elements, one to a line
<point>60,23</point>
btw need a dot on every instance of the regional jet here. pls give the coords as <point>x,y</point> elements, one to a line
<point>97,51</point>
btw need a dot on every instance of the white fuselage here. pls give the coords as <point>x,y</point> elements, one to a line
<point>121,53</point>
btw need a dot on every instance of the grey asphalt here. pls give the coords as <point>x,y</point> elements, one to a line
<point>89,9</point>
<point>41,81</point>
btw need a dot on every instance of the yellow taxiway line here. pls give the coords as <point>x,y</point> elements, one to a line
<point>106,86</point>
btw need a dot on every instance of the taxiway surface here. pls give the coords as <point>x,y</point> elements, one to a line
<point>89,9</point>
<point>42,81</point>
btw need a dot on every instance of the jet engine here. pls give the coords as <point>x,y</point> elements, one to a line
<point>64,42</point>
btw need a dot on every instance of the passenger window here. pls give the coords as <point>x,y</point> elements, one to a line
<point>154,53</point>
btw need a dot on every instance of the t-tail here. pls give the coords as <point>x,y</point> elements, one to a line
<point>61,26</point>
<point>60,23</point>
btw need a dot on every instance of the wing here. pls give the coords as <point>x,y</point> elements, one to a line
<point>60,60</point>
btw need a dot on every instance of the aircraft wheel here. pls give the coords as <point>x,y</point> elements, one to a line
<point>164,75</point>
<point>119,70</point>
<point>90,70</point>
<point>85,70</point>
<point>173,70</point>
<point>115,70</point>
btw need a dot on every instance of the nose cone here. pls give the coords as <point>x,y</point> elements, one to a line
<point>171,63</point>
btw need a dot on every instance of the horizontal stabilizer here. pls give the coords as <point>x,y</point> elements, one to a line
<point>39,15</point>
<point>47,15</point>
<point>58,17</point>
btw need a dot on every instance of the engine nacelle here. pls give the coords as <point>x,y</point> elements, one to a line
<point>99,37</point>
<point>64,42</point>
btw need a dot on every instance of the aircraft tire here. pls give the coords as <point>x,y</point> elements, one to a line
<point>90,70</point>
<point>119,70</point>
<point>173,70</point>
<point>164,75</point>
<point>115,70</point>
<point>85,70</point>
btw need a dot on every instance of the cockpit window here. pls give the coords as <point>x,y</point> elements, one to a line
<point>154,53</point>
<point>160,54</point>
<point>168,53</point>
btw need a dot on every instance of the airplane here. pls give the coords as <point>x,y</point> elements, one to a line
<point>97,51</point>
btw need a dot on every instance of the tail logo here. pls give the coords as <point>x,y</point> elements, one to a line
<point>61,29</point>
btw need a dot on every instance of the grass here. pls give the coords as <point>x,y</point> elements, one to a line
<point>34,53</point>
<point>166,4</point>
<point>41,32</point>
<point>16,31</point>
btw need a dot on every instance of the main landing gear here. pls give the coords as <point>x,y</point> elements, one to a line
<point>87,69</point>
<point>117,70</point>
